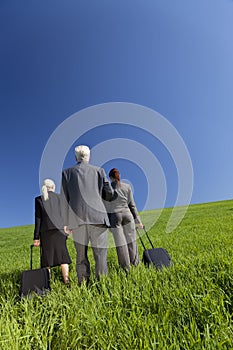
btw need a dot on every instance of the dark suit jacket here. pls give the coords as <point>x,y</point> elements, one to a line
<point>47,214</point>
<point>84,186</point>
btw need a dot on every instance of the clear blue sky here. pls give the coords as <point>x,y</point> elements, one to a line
<point>60,57</point>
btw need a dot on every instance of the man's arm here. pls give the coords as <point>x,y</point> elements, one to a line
<point>64,200</point>
<point>107,190</point>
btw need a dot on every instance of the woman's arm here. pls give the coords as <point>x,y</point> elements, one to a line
<point>37,220</point>
<point>133,209</point>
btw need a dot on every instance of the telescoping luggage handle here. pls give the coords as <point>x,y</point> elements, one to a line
<point>139,235</point>
<point>32,246</point>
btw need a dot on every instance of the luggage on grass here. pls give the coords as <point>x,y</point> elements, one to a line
<point>159,257</point>
<point>37,280</point>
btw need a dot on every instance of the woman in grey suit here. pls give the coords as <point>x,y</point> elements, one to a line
<point>123,216</point>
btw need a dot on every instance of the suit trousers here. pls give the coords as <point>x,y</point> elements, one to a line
<point>98,238</point>
<point>124,233</point>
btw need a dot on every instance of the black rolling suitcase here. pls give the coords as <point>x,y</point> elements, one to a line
<point>37,280</point>
<point>159,257</point>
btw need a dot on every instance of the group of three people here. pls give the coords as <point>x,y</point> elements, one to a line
<point>87,207</point>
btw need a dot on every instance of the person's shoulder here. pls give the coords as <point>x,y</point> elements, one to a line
<point>66,173</point>
<point>67,170</point>
<point>95,167</point>
<point>54,194</point>
<point>38,199</point>
<point>54,197</point>
<point>125,185</point>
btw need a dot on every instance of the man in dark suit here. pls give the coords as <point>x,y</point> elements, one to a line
<point>83,189</point>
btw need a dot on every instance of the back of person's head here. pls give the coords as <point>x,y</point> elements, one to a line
<point>48,185</point>
<point>115,174</point>
<point>82,153</point>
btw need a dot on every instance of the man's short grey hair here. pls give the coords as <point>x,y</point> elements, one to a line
<point>82,153</point>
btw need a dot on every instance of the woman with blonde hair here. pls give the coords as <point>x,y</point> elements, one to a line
<point>49,230</point>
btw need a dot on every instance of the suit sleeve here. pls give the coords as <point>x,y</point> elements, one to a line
<point>38,219</point>
<point>132,207</point>
<point>107,190</point>
<point>64,200</point>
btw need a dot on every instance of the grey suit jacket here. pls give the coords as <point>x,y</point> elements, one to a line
<point>123,200</point>
<point>84,188</point>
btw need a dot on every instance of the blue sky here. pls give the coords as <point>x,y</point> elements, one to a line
<point>60,57</point>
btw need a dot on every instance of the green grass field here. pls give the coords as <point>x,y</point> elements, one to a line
<point>187,306</point>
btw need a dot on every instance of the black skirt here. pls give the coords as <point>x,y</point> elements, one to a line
<point>54,249</point>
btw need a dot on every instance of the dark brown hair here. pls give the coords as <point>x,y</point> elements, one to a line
<point>114,173</point>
